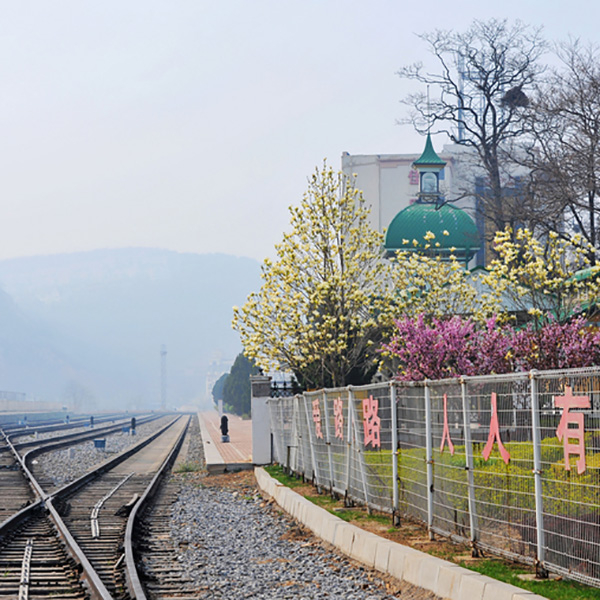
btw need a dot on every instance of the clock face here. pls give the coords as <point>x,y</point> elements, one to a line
<point>429,183</point>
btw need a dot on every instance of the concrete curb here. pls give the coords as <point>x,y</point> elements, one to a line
<point>445,579</point>
<point>214,460</point>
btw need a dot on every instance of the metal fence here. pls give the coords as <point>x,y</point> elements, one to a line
<point>507,463</point>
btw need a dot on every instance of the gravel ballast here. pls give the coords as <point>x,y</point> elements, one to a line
<point>234,544</point>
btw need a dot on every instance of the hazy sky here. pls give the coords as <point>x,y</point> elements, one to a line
<point>193,125</point>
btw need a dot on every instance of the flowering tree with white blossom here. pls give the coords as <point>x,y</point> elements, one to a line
<point>316,312</point>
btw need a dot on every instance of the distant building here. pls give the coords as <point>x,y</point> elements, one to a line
<point>392,182</point>
<point>455,231</point>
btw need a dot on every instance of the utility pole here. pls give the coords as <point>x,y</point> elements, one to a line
<point>163,377</point>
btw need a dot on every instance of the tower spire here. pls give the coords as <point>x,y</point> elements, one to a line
<point>429,165</point>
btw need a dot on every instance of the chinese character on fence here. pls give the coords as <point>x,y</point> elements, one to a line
<point>338,414</point>
<point>566,433</point>
<point>495,434</point>
<point>413,177</point>
<point>371,422</point>
<point>446,433</point>
<point>317,418</point>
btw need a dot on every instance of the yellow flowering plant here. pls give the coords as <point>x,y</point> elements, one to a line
<point>315,312</point>
<point>547,279</point>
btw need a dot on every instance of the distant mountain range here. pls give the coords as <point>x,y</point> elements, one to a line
<point>90,325</point>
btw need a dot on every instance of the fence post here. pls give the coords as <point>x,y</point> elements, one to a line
<point>328,442</point>
<point>396,495</point>
<point>469,467</point>
<point>294,441</point>
<point>429,458</point>
<point>361,461</point>
<point>537,472</point>
<point>297,428</point>
<point>348,446</point>
<point>311,443</point>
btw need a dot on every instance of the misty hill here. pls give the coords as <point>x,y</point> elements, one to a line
<point>101,317</point>
<point>27,348</point>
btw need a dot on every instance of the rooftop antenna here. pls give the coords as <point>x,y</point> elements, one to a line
<point>428,112</point>
<point>461,91</point>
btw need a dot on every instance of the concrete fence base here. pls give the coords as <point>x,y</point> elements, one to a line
<point>445,579</point>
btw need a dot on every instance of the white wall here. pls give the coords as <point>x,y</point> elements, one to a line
<point>261,431</point>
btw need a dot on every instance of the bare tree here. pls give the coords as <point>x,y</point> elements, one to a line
<point>564,157</point>
<point>479,94</point>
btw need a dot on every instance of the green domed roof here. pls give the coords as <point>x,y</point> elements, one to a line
<point>415,221</point>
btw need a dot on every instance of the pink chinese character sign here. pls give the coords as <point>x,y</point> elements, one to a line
<point>577,433</point>
<point>371,422</point>
<point>316,414</point>
<point>494,435</point>
<point>446,431</point>
<point>338,415</point>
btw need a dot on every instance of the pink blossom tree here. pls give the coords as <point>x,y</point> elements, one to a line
<point>444,348</point>
<point>556,346</point>
<point>431,350</point>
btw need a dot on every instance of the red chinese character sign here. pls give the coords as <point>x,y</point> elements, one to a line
<point>577,433</point>
<point>446,432</point>
<point>316,414</point>
<point>371,422</point>
<point>338,415</point>
<point>494,434</point>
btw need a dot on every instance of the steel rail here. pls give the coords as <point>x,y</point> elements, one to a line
<point>13,432</point>
<point>89,576</point>
<point>10,524</point>
<point>94,579</point>
<point>23,462</point>
<point>105,466</point>
<point>132,577</point>
<point>14,426</point>
<point>55,443</point>
<point>26,472</point>
<point>95,527</point>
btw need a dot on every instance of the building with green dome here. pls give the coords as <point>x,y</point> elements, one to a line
<point>454,231</point>
<point>411,194</point>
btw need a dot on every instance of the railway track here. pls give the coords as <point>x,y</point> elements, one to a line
<point>34,564</point>
<point>15,424</point>
<point>62,440</point>
<point>154,571</point>
<point>97,517</point>
<point>80,533</point>
<point>15,490</point>
<point>161,574</point>
<point>75,442</point>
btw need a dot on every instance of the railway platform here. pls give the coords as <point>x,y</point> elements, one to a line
<point>226,457</point>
